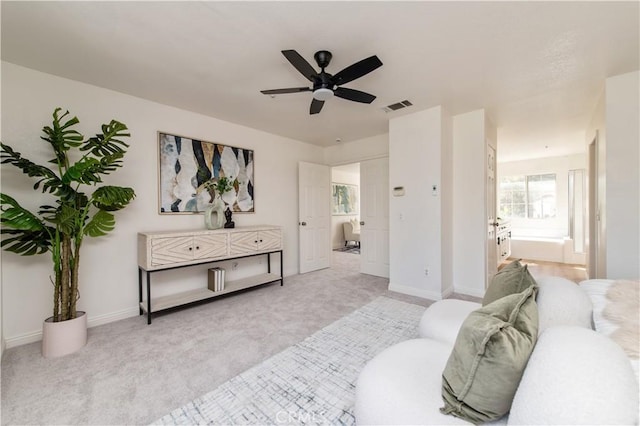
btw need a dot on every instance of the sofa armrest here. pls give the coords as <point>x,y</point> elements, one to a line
<point>402,385</point>
<point>442,320</point>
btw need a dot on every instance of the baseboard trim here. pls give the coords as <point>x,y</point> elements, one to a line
<point>36,336</point>
<point>112,317</point>
<point>469,291</point>
<point>447,292</point>
<point>24,339</point>
<point>412,291</point>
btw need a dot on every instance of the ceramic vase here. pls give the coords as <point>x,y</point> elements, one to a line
<point>214,214</point>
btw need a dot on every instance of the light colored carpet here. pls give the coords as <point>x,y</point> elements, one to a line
<point>134,373</point>
<point>312,381</point>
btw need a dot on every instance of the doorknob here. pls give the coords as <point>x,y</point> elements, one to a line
<point>303,223</point>
<point>495,224</point>
<point>362,223</point>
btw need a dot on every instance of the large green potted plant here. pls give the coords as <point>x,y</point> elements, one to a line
<point>79,205</point>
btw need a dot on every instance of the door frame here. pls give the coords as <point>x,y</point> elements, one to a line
<point>593,235</point>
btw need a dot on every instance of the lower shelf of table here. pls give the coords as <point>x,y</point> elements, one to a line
<point>183,298</point>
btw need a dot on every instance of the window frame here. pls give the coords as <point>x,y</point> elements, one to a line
<point>527,211</point>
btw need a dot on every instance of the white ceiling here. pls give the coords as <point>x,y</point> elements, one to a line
<point>537,67</point>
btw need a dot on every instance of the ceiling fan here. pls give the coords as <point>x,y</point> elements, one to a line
<point>326,85</point>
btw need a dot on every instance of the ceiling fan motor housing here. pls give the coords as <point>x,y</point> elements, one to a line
<point>323,80</point>
<point>323,57</point>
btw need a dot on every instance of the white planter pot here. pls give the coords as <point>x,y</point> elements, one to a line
<point>64,337</point>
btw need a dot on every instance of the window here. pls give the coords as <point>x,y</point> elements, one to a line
<point>513,196</point>
<point>532,196</point>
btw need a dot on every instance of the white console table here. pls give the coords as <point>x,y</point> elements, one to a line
<point>161,251</point>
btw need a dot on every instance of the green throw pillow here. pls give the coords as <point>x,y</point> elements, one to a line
<point>513,278</point>
<point>489,358</point>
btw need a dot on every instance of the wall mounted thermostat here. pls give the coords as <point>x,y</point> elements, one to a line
<point>398,191</point>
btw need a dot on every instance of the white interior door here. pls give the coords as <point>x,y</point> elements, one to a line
<point>374,217</point>
<point>492,248</point>
<point>314,216</point>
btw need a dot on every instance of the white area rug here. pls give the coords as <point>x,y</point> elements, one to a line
<point>312,382</point>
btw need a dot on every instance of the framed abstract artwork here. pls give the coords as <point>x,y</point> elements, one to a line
<point>186,165</point>
<point>344,199</point>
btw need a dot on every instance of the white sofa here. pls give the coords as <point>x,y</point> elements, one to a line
<point>575,375</point>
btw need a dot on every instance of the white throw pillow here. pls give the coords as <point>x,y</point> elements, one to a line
<point>355,226</point>
<point>562,302</point>
<point>576,376</point>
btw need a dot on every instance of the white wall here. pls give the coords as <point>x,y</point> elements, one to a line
<point>622,106</point>
<point>337,233</point>
<point>356,151</point>
<point>470,134</point>
<point>108,272</point>
<point>560,166</point>
<point>416,226</point>
<point>446,203</point>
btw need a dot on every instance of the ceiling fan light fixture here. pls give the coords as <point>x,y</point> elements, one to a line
<point>322,94</point>
<point>326,85</point>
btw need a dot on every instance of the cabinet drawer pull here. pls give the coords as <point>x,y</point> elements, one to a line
<point>190,248</point>
<point>260,240</point>
<point>197,247</point>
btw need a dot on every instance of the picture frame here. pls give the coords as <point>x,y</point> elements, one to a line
<point>345,199</point>
<point>186,164</point>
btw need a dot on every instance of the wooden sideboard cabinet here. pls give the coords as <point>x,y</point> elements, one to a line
<point>161,251</point>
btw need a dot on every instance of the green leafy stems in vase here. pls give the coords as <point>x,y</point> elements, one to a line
<point>221,184</point>
<point>215,213</point>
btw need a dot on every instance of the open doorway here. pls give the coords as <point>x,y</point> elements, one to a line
<point>369,206</point>
<point>544,202</point>
<point>345,215</point>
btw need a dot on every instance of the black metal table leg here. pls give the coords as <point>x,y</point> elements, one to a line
<point>281,271</point>
<point>148,297</point>
<point>140,289</point>
<point>269,263</point>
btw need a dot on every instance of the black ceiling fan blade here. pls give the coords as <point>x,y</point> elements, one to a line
<point>300,64</point>
<point>356,70</point>
<point>283,91</point>
<point>316,106</point>
<point>354,95</point>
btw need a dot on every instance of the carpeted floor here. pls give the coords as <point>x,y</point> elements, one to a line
<point>312,381</point>
<point>134,373</point>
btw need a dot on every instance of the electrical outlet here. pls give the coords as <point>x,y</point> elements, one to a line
<point>234,266</point>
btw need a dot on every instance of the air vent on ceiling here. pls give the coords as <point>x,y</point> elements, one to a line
<point>397,106</point>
